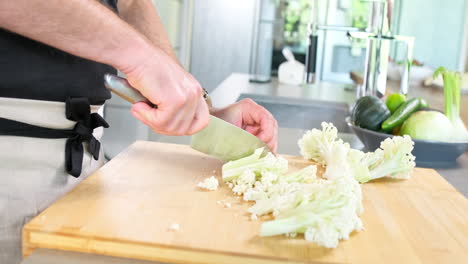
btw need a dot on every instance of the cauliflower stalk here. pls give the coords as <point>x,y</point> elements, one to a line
<point>305,175</point>
<point>325,215</point>
<point>393,159</point>
<point>254,163</point>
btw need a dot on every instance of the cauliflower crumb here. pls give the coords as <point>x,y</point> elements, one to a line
<point>224,204</point>
<point>174,227</point>
<point>210,183</point>
<point>291,234</point>
<point>253,217</point>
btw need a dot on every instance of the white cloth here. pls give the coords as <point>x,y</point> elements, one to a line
<point>32,170</point>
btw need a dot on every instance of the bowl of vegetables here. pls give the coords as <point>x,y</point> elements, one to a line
<point>440,138</point>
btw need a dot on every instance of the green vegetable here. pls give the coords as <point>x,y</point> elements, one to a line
<point>369,112</point>
<point>394,101</point>
<point>428,125</point>
<point>402,113</point>
<point>452,81</point>
<point>396,130</point>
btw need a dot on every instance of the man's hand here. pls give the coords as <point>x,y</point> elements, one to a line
<point>181,109</point>
<point>253,118</point>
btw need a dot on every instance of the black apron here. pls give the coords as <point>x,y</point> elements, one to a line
<point>33,70</point>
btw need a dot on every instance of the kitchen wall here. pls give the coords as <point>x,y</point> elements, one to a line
<point>169,11</point>
<point>465,44</point>
<point>439,30</point>
<point>221,39</point>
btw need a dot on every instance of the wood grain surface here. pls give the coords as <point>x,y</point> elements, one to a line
<point>125,210</point>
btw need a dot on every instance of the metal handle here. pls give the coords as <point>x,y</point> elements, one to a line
<point>122,88</point>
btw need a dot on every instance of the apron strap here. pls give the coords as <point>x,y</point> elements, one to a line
<point>77,109</point>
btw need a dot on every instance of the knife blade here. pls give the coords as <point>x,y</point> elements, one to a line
<point>219,139</point>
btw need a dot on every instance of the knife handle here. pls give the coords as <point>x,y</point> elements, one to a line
<point>122,88</point>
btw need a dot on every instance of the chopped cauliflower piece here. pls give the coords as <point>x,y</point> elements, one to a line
<point>244,182</point>
<point>325,216</point>
<point>393,159</point>
<point>317,145</point>
<point>210,183</point>
<point>305,175</point>
<point>326,210</point>
<point>174,227</point>
<point>255,163</point>
<point>224,203</point>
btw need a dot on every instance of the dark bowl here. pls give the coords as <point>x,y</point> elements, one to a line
<point>429,154</point>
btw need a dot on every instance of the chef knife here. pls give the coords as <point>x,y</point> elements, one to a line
<point>219,139</point>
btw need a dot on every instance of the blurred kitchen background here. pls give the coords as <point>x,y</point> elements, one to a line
<point>216,38</point>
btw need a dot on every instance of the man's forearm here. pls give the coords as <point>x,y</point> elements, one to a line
<point>142,15</point>
<point>84,28</point>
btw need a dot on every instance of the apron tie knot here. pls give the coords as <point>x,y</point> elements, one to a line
<point>78,109</point>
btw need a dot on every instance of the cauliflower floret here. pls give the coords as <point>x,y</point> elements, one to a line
<point>210,183</point>
<point>244,182</point>
<point>393,159</point>
<point>174,227</point>
<point>317,145</point>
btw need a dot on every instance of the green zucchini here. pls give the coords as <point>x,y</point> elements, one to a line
<point>369,112</point>
<point>403,112</point>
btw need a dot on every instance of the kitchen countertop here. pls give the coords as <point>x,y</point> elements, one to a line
<point>236,84</point>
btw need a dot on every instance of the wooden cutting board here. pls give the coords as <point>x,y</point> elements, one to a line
<point>125,210</point>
